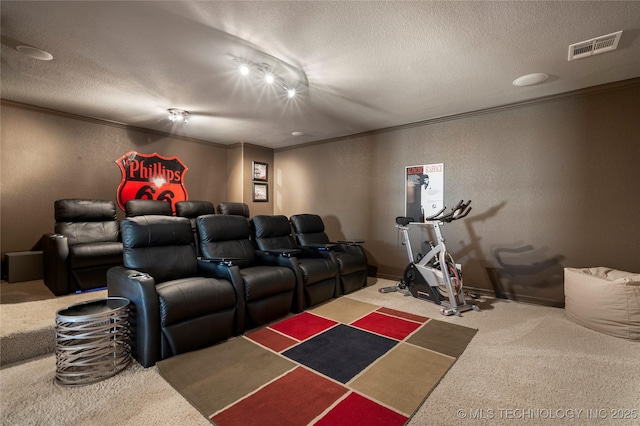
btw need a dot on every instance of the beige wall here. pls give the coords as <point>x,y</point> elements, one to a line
<point>46,157</point>
<point>235,181</point>
<point>554,184</point>
<point>263,155</point>
<point>241,158</point>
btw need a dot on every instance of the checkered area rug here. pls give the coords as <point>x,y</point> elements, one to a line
<point>343,363</point>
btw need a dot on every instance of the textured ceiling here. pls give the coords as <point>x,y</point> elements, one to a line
<point>359,66</point>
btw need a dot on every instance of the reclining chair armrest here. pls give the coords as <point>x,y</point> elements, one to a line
<point>55,251</point>
<point>351,248</point>
<point>311,253</point>
<point>283,252</point>
<point>222,270</point>
<point>223,261</point>
<point>321,247</point>
<point>291,262</point>
<point>350,242</point>
<point>274,257</point>
<point>140,289</point>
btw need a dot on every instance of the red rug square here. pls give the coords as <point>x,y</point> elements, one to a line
<point>303,326</point>
<point>294,399</point>
<point>393,327</point>
<point>355,409</point>
<point>271,339</point>
<point>405,315</point>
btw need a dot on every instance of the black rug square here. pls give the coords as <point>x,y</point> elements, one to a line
<point>340,352</point>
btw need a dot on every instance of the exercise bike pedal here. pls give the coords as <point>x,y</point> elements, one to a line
<point>388,289</point>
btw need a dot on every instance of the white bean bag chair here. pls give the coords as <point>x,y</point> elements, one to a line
<point>604,299</point>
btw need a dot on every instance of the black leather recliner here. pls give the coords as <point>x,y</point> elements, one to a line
<point>320,274</point>
<point>175,308</point>
<point>269,281</point>
<point>350,256</point>
<point>240,209</point>
<point>147,207</point>
<point>192,209</point>
<point>86,243</point>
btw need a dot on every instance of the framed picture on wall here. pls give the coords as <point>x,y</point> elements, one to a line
<point>424,190</point>
<point>260,171</point>
<point>260,192</point>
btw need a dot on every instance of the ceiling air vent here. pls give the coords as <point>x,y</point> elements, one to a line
<point>594,46</point>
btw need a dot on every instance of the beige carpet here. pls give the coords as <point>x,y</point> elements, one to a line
<point>28,329</point>
<point>527,364</point>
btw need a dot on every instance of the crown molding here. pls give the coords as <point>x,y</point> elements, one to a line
<point>106,122</point>
<point>609,87</point>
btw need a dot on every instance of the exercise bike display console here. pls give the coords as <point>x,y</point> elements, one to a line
<point>433,275</point>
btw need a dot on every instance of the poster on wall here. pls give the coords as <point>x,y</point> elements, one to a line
<point>424,190</point>
<point>151,177</point>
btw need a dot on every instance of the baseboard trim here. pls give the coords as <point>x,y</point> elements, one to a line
<point>505,295</point>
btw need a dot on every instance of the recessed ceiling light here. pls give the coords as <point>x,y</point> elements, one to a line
<point>35,53</point>
<point>530,79</point>
<point>297,134</point>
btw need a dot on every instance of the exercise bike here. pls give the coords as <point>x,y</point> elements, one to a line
<point>434,276</point>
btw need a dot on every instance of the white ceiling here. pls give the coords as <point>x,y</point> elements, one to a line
<point>359,65</point>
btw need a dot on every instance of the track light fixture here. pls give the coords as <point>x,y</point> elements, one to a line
<point>178,115</point>
<point>244,69</point>
<point>263,70</point>
<point>269,78</point>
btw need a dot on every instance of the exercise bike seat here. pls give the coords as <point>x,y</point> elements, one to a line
<point>404,220</point>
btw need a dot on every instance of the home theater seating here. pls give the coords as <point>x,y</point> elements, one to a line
<point>319,274</point>
<point>176,308</point>
<point>191,210</point>
<point>147,207</point>
<point>201,276</point>
<point>348,255</point>
<point>84,245</point>
<point>267,281</point>
<point>240,209</point>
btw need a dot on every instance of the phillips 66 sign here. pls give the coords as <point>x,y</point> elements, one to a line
<point>151,177</point>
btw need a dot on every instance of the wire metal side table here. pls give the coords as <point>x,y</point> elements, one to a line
<point>92,341</point>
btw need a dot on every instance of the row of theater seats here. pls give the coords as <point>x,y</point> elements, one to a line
<point>199,278</point>
<point>86,241</point>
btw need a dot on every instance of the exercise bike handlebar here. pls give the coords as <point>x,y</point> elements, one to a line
<point>461,210</point>
<point>435,215</point>
<point>466,211</point>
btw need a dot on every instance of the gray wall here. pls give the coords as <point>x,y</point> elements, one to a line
<point>554,184</point>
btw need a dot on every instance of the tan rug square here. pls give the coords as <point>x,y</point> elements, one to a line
<point>344,310</point>
<point>217,376</point>
<point>403,378</point>
<point>443,337</point>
